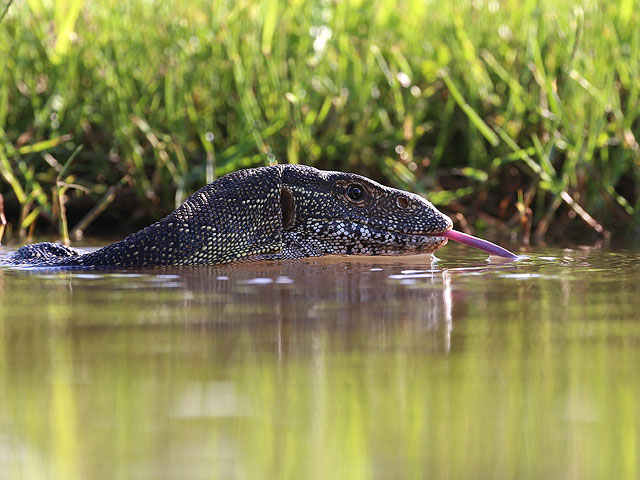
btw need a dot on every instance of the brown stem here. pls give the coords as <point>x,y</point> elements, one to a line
<point>588,219</point>
<point>545,222</point>
<point>100,207</point>
<point>64,228</point>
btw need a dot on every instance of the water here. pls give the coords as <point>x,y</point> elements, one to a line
<point>325,368</point>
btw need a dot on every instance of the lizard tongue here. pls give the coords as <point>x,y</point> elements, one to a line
<point>475,242</point>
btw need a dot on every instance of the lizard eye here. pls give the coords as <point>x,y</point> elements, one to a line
<point>355,192</point>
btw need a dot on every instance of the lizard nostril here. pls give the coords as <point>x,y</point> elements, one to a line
<point>402,202</point>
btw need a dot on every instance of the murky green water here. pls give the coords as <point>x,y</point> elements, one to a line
<point>325,369</point>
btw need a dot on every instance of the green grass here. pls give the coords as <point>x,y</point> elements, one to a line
<point>522,115</point>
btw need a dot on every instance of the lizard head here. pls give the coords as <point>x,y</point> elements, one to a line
<point>326,213</point>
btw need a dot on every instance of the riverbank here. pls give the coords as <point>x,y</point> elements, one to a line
<point>522,117</point>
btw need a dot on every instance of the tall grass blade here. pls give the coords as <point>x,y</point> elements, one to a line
<point>475,119</point>
<point>5,9</point>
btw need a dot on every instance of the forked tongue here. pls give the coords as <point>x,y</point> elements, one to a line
<point>475,242</point>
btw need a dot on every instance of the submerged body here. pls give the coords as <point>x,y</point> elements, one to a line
<point>278,212</point>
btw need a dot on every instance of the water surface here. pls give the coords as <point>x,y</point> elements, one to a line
<point>325,368</point>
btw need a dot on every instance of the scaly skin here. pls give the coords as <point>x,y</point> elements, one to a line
<point>279,212</point>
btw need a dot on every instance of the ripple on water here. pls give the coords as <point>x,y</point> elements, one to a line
<point>256,281</point>
<point>415,275</point>
<point>410,272</point>
<point>525,276</point>
<point>284,280</point>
